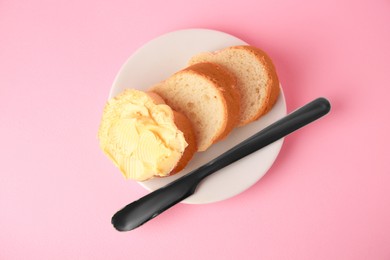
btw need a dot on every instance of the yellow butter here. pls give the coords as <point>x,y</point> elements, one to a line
<point>139,136</point>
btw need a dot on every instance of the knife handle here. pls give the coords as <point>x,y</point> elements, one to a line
<point>151,205</point>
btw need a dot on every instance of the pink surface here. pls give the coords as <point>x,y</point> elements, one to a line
<point>326,197</point>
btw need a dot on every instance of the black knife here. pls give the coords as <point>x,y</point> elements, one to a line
<point>138,212</point>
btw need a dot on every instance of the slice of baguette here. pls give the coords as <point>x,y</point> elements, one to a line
<point>206,93</point>
<point>144,137</point>
<point>257,80</point>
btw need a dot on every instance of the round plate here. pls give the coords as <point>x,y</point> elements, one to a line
<point>165,55</point>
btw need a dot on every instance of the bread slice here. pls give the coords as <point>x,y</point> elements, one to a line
<point>207,95</point>
<point>144,137</point>
<point>257,80</point>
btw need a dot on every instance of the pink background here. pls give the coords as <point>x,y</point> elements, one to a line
<point>326,197</point>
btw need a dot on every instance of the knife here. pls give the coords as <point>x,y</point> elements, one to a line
<point>140,211</point>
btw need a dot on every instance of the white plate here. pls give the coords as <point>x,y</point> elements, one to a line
<point>163,56</point>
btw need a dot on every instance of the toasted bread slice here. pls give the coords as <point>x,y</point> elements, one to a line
<point>207,95</point>
<point>257,80</point>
